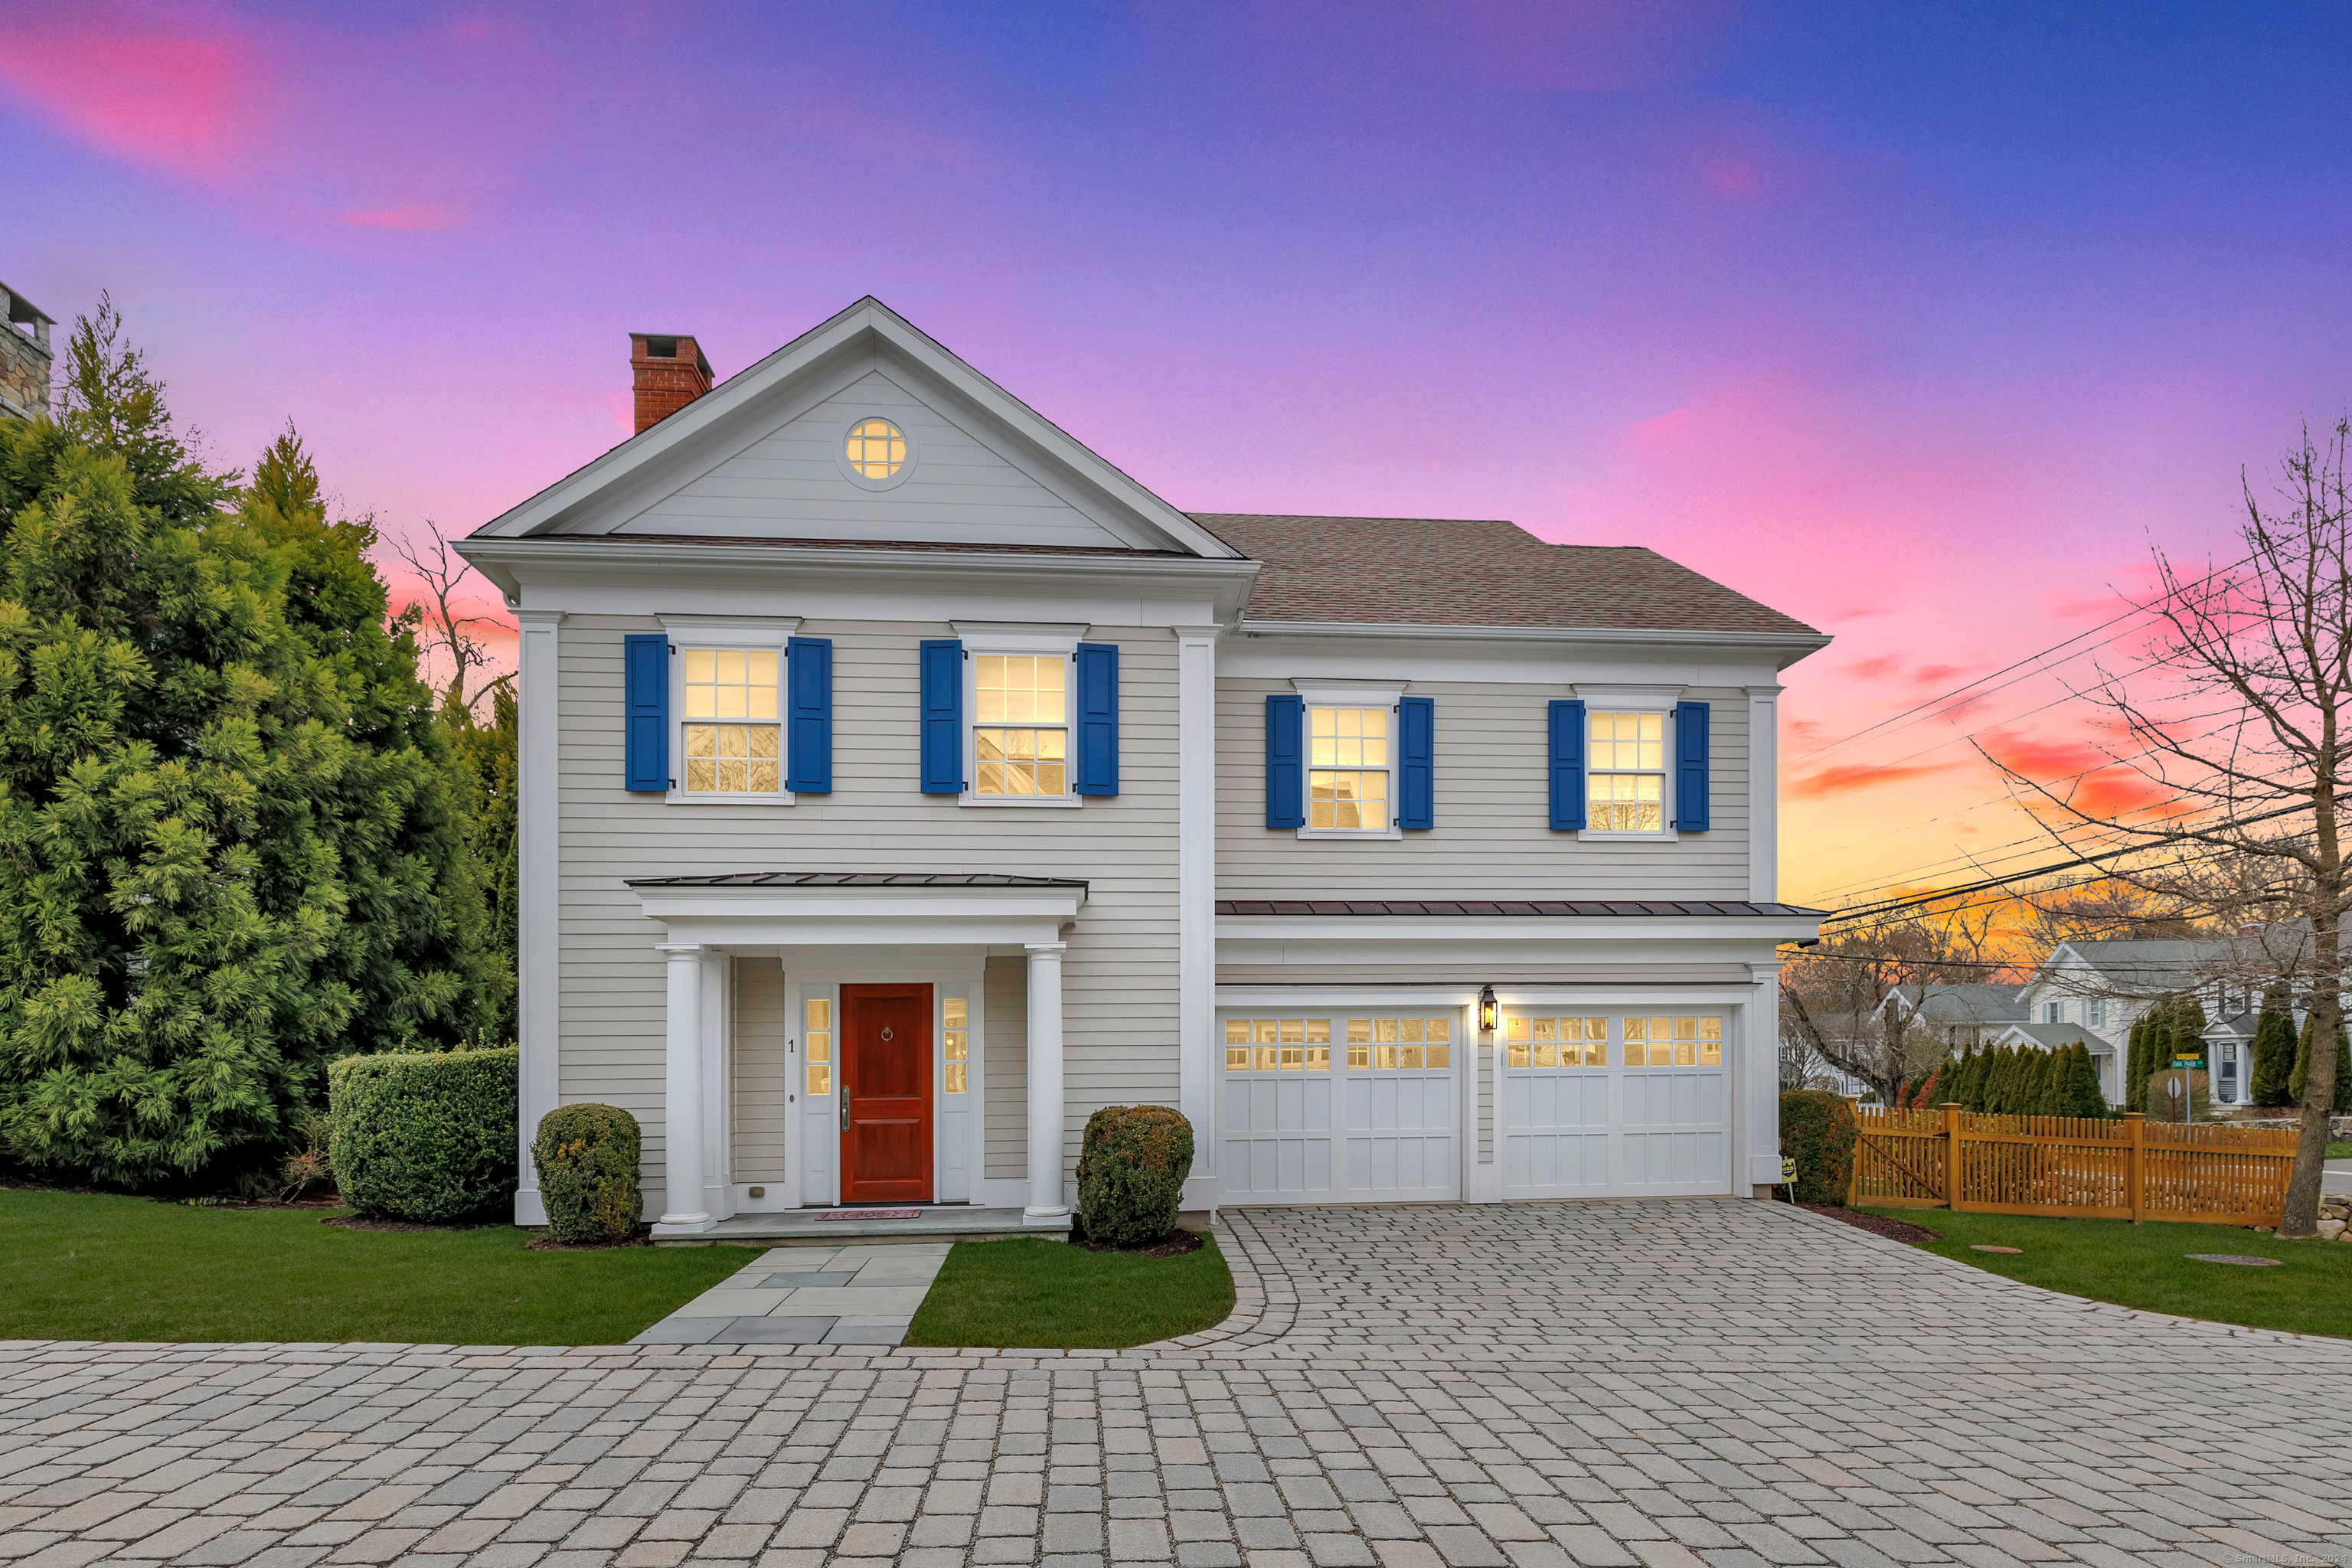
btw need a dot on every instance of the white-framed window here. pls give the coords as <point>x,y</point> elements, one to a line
<point>2053,1012</point>
<point>1350,770</point>
<point>726,702</point>
<point>876,452</point>
<point>1625,790</point>
<point>1020,690</point>
<point>2095,1012</point>
<point>1351,758</point>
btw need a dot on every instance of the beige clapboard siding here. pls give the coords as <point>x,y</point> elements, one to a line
<point>790,482</point>
<point>1492,837</point>
<point>1004,1024</point>
<point>758,1086</point>
<point>1119,976</point>
<point>1426,971</point>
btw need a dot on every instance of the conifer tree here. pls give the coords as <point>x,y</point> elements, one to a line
<point>229,852</point>
<point>2273,1051</point>
<point>2343,1098</point>
<point>2041,1098</point>
<point>2079,1093</point>
<point>1962,1090</point>
<point>2136,1065</point>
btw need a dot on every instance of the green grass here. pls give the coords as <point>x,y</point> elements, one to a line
<point>2144,1266</point>
<point>1030,1294</point>
<point>76,1266</point>
<point>2339,1151</point>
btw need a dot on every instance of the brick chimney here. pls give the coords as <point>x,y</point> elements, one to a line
<point>670,373</point>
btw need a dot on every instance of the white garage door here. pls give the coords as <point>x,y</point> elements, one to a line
<point>1598,1104</point>
<point>1320,1107</point>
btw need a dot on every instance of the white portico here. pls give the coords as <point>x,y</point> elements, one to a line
<point>882,993</point>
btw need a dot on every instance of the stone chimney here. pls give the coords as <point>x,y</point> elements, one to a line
<point>670,373</point>
<point>25,357</point>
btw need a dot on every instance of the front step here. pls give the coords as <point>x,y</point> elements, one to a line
<point>801,1227</point>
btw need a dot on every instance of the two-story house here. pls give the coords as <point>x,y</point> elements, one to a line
<point>901,781</point>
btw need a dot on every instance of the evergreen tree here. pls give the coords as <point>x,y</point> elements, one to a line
<point>2136,1064</point>
<point>228,849</point>
<point>2303,1062</point>
<point>2079,1093</point>
<point>1962,1091</point>
<point>2273,1051</point>
<point>2042,1097</point>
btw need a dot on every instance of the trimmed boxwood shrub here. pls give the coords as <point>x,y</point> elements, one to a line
<point>587,1162</point>
<point>1132,1168</point>
<point>425,1136</point>
<point>1818,1131</point>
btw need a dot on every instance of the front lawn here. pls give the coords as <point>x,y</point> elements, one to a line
<point>1030,1294</point>
<point>2146,1266</point>
<point>78,1265</point>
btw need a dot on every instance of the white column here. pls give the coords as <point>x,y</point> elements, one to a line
<point>539,1028</point>
<point>683,1213</point>
<point>718,1024</point>
<point>1764,793</point>
<point>1756,1079</point>
<point>1196,900</point>
<point>1045,1204</point>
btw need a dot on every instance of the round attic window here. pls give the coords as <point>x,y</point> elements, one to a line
<point>876,450</point>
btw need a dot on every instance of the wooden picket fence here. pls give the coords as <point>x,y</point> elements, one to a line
<point>2125,1168</point>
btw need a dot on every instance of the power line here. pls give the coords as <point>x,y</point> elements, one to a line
<point>2137,610</point>
<point>1893,904</point>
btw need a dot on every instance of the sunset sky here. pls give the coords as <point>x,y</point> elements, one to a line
<point>1922,323</point>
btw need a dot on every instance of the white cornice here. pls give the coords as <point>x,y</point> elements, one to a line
<point>1424,928</point>
<point>1793,646</point>
<point>507,562</point>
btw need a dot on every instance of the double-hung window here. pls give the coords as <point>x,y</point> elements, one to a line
<point>1021,725</point>
<point>733,742</point>
<point>726,708</point>
<point>1348,770</point>
<point>1627,791</point>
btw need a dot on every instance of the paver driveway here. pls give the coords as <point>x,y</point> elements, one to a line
<point>1601,1384</point>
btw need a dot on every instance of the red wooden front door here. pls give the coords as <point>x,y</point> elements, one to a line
<point>885,1085</point>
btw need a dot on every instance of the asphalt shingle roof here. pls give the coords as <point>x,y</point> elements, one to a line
<point>1448,572</point>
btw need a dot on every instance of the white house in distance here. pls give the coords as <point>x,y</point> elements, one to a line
<point>901,781</point>
<point>2090,993</point>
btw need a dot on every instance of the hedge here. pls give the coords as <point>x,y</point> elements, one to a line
<point>1818,1131</point>
<point>1132,1168</point>
<point>424,1136</point>
<point>587,1161</point>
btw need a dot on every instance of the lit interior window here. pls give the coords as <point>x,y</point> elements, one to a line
<point>731,758</point>
<point>816,1039</point>
<point>1556,1042</point>
<point>1348,776</point>
<point>1020,737</point>
<point>958,1049</point>
<point>1673,1042</point>
<point>1628,773</point>
<point>877,448</point>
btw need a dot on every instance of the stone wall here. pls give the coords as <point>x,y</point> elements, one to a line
<point>24,374</point>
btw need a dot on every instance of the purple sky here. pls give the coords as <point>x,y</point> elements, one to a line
<point>1920,323</point>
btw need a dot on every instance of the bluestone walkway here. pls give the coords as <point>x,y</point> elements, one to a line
<point>1663,1384</point>
<point>861,1294</point>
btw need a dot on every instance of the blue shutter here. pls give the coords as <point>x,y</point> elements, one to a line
<point>942,721</point>
<point>808,715</point>
<point>1097,718</point>
<point>1416,765</point>
<point>1568,766</point>
<point>1690,766</point>
<point>645,702</point>
<point>1285,773</point>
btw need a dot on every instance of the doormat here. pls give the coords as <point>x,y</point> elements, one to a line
<point>872,1214</point>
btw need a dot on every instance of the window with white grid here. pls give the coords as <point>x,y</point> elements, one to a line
<point>1626,778</point>
<point>730,739</point>
<point>1348,770</point>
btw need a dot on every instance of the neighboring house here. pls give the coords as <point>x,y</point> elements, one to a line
<point>1962,1015</point>
<point>901,781</point>
<point>25,358</point>
<point>2230,1059</point>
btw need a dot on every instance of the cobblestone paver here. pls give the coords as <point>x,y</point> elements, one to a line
<point>1611,1384</point>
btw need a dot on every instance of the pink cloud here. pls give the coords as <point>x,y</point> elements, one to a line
<point>176,100</point>
<point>412,218</point>
<point>1847,777</point>
<point>1873,669</point>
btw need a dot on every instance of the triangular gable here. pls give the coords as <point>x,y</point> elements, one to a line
<point>759,457</point>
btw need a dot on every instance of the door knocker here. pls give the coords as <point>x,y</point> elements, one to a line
<point>886,1034</point>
